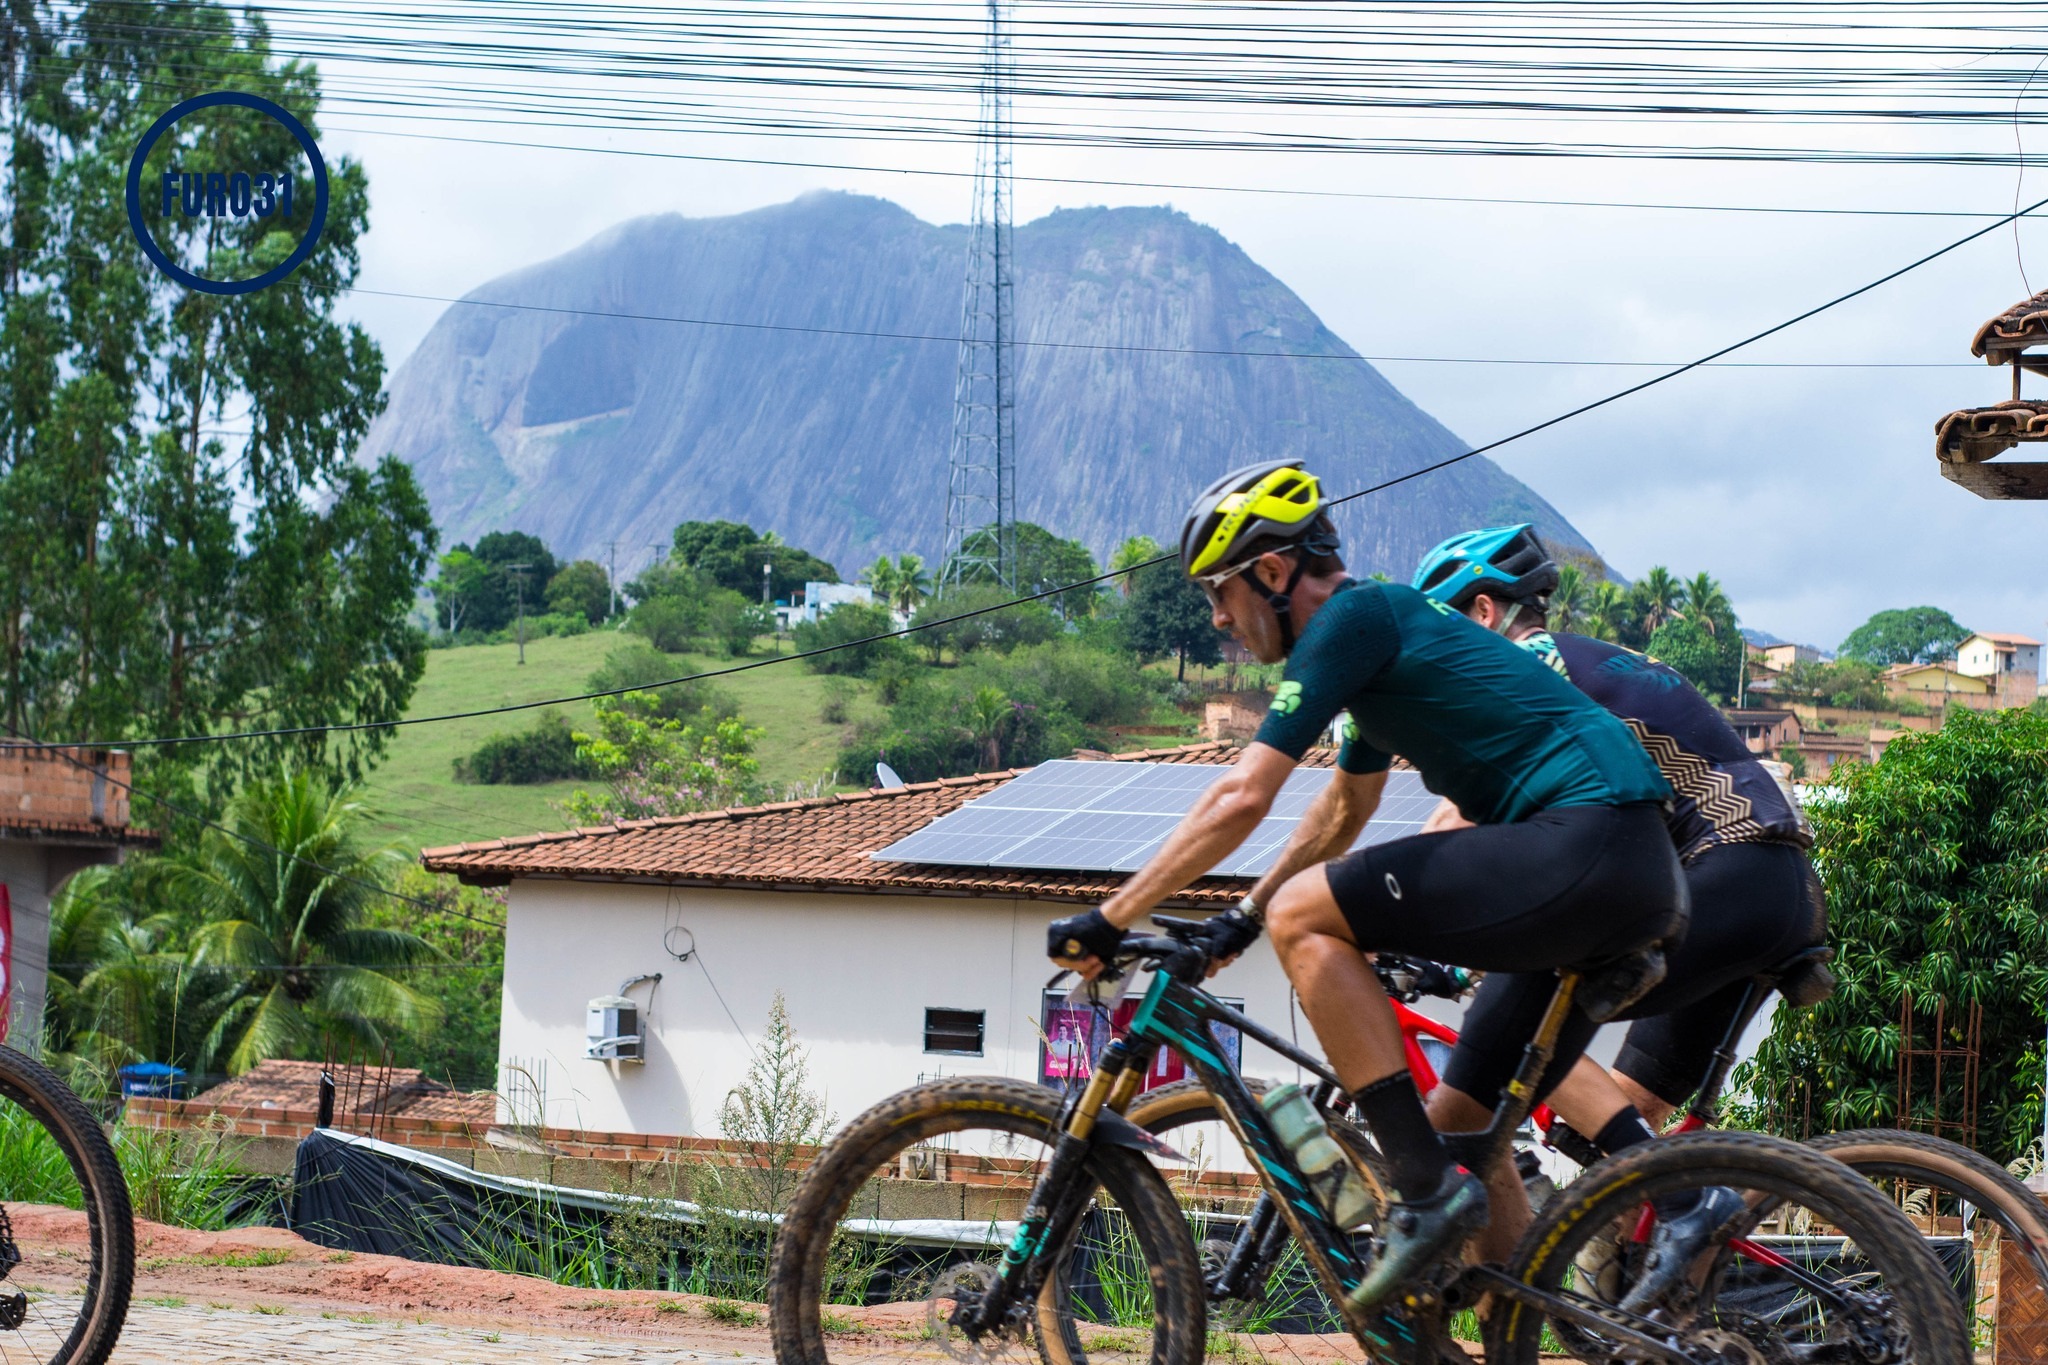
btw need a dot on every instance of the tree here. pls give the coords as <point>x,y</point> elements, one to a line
<point>1709,662</point>
<point>900,583</point>
<point>1937,892</point>
<point>1571,600</point>
<point>1133,552</point>
<point>1848,683</point>
<point>847,622</point>
<point>989,715</point>
<point>581,589</point>
<point>284,900</point>
<point>462,579</point>
<point>1025,623</point>
<point>1168,614</point>
<point>636,664</point>
<point>463,927</point>
<point>1655,598</point>
<point>1706,605</point>
<point>186,539</point>
<point>1909,635</point>
<point>730,554</point>
<point>1044,560</point>
<point>656,766</point>
<point>1607,612</point>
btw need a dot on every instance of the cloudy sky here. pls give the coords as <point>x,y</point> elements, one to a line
<point>1807,485</point>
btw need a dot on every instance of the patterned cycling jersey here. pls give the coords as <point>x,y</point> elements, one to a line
<point>1725,796</point>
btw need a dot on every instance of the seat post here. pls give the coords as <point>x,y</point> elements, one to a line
<point>1706,1101</point>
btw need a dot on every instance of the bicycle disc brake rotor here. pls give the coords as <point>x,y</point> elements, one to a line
<point>964,1287</point>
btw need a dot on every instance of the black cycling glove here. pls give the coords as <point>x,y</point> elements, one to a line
<point>1085,935</point>
<point>1230,933</point>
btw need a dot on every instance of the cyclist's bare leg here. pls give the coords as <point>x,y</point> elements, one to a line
<point>1454,1111</point>
<point>1655,1109</point>
<point>1344,1001</point>
<point>1589,1097</point>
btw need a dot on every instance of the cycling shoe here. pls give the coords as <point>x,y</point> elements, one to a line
<point>1419,1231</point>
<point>1678,1241</point>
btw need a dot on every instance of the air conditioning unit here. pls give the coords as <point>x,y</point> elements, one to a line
<point>612,1030</point>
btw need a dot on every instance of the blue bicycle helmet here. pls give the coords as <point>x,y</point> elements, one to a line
<point>1507,562</point>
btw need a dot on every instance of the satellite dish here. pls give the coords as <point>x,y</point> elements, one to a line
<point>885,776</point>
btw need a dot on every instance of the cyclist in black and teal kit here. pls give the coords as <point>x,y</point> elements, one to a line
<point>1742,841</point>
<point>1568,863</point>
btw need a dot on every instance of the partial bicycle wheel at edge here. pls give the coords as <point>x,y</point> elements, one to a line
<point>1153,1315</point>
<point>1935,1180</point>
<point>58,1154</point>
<point>1920,1321</point>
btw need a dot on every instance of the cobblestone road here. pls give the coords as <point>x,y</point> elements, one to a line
<point>159,1335</point>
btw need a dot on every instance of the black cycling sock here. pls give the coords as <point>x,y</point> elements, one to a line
<point>1625,1130</point>
<point>1416,1157</point>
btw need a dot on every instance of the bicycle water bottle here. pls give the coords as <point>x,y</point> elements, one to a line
<point>1335,1181</point>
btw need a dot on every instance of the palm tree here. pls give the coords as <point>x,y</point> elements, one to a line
<point>913,583</point>
<point>1706,604</point>
<point>1659,595</point>
<point>1128,556</point>
<point>882,581</point>
<point>1570,599</point>
<point>1607,611</point>
<point>989,714</point>
<point>283,897</point>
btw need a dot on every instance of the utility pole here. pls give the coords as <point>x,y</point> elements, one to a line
<point>981,477</point>
<point>518,572</point>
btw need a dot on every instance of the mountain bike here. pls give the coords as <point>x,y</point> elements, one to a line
<point>1940,1184</point>
<point>53,1151</point>
<point>1097,1261</point>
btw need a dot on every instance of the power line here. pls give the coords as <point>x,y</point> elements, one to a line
<point>1044,593</point>
<point>1347,357</point>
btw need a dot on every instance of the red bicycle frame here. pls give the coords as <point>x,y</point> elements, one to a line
<point>1415,1027</point>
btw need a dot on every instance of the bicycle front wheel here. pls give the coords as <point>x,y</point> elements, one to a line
<point>53,1152</point>
<point>1819,1267</point>
<point>904,1217</point>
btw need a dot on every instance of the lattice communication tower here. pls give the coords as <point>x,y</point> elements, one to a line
<point>981,541</point>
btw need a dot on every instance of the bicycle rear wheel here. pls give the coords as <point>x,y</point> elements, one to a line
<point>53,1152</point>
<point>906,1213</point>
<point>1840,1275</point>
<point>1944,1188</point>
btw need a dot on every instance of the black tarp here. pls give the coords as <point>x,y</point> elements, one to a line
<point>357,1194</point>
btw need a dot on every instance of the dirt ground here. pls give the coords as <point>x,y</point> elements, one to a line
<point>264,1295</point>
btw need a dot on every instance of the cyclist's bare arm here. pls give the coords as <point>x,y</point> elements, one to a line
<point>1224,817</point>
<point>1328,827</point>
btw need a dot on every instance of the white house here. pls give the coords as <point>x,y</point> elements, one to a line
<point>820,598</point>
<point>2011,662</point>
<point>891,972</point>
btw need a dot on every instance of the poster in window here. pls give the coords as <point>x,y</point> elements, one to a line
<point>1075,1035</point>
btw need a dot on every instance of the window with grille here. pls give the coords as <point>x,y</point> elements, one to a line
<point>957,1032</point>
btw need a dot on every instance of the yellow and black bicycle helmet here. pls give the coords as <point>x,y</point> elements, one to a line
<point>1251,511</point>
<point>1260,509</point>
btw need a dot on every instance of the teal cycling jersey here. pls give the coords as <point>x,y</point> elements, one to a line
<point>1483,720</point>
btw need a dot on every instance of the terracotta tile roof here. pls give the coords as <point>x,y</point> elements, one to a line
<point>2000,637</point>
<point>809,845</point>
<point>278,1084</point>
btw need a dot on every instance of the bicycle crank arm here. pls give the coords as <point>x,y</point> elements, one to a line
<point>1618,1327</point>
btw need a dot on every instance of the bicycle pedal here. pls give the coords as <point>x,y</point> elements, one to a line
<point>13,1311</point>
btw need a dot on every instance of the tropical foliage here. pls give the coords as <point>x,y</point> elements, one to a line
<point>731,555</point>
<point>899,583</point>
<point>1169,617</point>
<point>265,939</point>
<point>652,764</point>
<point>1935,861</point>
<point>187,540</point>
<point>1044,560</point>
<point>1910,635</point>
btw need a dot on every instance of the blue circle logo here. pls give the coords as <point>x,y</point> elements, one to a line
<point>227,193</point>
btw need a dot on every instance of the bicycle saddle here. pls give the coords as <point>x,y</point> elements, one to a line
<point>1607,988</point>
<point>1803,979</point>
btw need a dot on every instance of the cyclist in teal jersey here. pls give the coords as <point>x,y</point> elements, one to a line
<point>1567,865</point>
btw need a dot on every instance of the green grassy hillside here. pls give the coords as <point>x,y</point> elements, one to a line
<point>420,804</point>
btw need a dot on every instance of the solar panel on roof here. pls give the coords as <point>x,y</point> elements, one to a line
<point>1077,816</point>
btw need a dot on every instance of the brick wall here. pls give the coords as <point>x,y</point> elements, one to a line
<point>2022,1311</point>
<point>43,787</point>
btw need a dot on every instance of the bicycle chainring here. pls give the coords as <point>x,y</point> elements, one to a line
<point>10,1254</point>
<point>965,1287</point>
